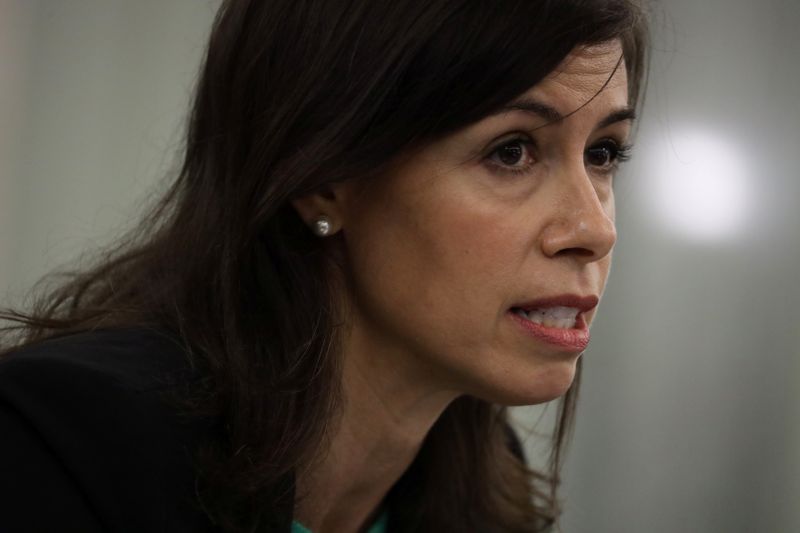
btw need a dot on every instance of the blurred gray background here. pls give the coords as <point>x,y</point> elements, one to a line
<point>689,418</point>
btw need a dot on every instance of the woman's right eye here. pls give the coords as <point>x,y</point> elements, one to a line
<point>512,156</point>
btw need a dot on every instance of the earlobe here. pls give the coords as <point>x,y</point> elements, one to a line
<point>320,211</point>
<point>322,226</point>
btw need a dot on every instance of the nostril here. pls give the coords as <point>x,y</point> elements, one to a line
<point>580,252</point>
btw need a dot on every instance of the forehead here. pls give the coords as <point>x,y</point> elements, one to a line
<point>593,73</point>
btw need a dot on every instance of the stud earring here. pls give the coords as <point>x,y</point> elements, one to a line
<point>322,226</point>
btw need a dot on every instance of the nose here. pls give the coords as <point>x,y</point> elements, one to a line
<point>582,227</point>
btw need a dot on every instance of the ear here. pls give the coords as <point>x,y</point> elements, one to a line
<point>326,202</point>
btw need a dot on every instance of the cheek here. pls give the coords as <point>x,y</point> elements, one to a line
<point>611,211</point>
<point>436,270</point>
<point>611,206</point>
<point>487,258</point>
<point>470,249</point>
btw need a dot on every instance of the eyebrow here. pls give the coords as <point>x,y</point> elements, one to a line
<point>620,115</point>
<point>535,107</point>
<point>551,114</point>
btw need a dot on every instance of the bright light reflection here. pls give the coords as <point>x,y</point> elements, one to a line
<point>701,185</point>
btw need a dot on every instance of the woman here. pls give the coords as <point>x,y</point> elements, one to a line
<point>393,220</point>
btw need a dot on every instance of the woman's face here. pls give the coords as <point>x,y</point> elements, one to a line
<point>515,211</point>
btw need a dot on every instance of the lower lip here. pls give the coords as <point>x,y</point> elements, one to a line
<point>573,339</point>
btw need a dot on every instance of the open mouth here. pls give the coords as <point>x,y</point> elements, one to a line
<point>550,317</point>
<point>558,321</point>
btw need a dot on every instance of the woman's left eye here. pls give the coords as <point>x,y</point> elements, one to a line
<point>606,154</point>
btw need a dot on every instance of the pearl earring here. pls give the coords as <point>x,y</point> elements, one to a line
<point>322,226</point>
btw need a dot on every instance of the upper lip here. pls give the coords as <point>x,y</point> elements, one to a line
<point>583,303</point>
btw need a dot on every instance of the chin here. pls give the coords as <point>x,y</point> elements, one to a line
<point>542,386</point>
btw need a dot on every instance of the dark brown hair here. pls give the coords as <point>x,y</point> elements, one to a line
<point>294,95</point>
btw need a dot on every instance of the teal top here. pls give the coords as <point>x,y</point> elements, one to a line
<point>379,526</point>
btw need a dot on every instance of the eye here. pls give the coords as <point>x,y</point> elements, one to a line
<point>513,155</point>
<point>607,154</point>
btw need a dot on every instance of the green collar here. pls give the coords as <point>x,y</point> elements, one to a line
<point>379,526</point>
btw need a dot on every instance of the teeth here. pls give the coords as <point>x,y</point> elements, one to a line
<point>563,323</point>
<point>552,317</point>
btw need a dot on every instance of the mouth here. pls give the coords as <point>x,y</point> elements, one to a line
<point>558,321</point>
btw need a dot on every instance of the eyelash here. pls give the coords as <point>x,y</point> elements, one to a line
<point>619,153</point>
<point>500,167</point>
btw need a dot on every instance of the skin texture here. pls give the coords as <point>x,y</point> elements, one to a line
<point>438,251</point>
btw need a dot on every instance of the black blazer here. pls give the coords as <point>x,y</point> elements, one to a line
<point>89,444</point>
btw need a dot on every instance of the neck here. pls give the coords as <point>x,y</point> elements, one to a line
<point>383,423</point>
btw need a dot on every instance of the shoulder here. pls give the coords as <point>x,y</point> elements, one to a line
<point>131,357</point>
<point>93,407</point>
<point>95,389</point>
